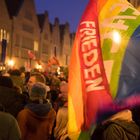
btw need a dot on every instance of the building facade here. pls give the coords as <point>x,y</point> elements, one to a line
<point>30,39</point>
<point>5,28</point>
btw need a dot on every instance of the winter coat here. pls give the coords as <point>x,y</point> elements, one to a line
<point>9,129</point>
<point>116,130</point>
<point>12,101</point>
<point>36,121</point>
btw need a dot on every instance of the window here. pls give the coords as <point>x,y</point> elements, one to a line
<point>27,43</point>
<point>45,36</point>
<point>45,48</point>
<point>17,42</point>
<point>24,53</point>
<point>28,15</point>
<point>15,51</point>
<point>28,28</point>
<point>55,51</point>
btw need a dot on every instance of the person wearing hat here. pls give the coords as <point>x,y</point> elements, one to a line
<point>36,120</point>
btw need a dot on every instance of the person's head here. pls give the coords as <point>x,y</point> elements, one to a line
<point>35,77</point>
<point>64,90</point>
<point>38,91</point>
<point>15,72</point>
<point>6,81</point>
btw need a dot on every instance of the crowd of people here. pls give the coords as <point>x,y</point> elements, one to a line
<point>33,105</point>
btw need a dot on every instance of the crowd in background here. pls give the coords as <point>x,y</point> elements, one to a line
<point>34,105</point>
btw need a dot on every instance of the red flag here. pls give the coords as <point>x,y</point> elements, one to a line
<point>31,54</point>
<point>53,61</point>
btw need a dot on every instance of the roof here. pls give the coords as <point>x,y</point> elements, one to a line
<point>13,7</point>
<point>41,20</point>
<point>62,32</point>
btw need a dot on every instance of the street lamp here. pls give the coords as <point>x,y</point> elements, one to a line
<point>11,63</point>
<point>39,67</point>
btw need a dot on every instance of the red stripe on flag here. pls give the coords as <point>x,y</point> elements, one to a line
<point>94,82</point>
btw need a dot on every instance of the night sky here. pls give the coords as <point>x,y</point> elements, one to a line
<point>66,10</point>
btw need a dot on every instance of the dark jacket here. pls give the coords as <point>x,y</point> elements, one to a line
<point>136,114</point>
<point>12,101</point>
<point>116,130</point>
<point>9,129</point>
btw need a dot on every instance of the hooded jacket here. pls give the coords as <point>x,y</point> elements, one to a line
<point>36,121</point>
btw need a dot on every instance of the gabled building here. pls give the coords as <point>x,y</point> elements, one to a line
<point>5,27</point>
<point>25,31</point>
<point>65,43</point>
<point>31,38</point>
<point>45,44</point>
<point>56,39</point>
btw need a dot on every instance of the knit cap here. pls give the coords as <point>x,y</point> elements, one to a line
<point>38,90</point>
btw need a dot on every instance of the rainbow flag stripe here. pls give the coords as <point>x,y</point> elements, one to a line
<point>104,64</point>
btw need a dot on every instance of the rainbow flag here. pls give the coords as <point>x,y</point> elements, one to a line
<point>104,64</point>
